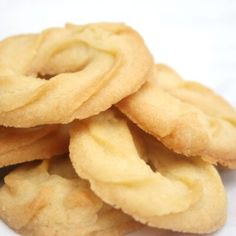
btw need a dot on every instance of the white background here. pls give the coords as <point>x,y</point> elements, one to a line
<point>197,38</point>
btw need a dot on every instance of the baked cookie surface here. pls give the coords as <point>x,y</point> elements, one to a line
<point>185,116</point>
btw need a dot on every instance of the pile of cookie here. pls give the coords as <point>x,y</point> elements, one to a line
<point>101,141</point>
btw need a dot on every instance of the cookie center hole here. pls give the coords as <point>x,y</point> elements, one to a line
<point>62,70</point>
<point>151,165</point>
<point>67,58</point>
<point>45,76</point>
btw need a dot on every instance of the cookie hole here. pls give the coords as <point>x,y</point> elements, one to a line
<point>61,166</point>
<point>45,76</point>
<point>151,165</point>
<point>5,171</point>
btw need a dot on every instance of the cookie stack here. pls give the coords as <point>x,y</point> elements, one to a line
<point>101,140</point>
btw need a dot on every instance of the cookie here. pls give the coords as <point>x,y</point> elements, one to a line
<point>48,198</point>
<point>69,73</point>
<point>22,145</point>
<point>133,171</point>
<point>185,116</point>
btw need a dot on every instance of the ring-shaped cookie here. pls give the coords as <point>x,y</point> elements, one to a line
<point>168,191</point>
<point>185,116</point>
<point>67,73</point>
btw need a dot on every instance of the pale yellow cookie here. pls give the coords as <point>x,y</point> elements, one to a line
<point>132,171</point>
<point>66,73</point>
<point>22,145</point>
<point>185,116</point>
<point>49,199</point>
